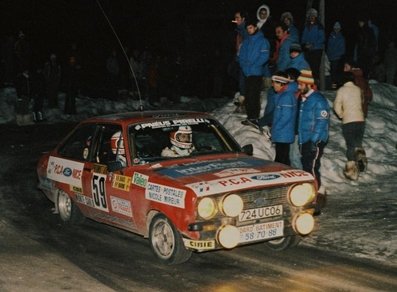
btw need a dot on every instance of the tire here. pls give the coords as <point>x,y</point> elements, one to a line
<point>283,243</point>
<point>166,242</point>
<point>68,211</point>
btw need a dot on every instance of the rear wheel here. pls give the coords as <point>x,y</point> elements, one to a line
<point>68,211</point>
<point>166,241</point>
<point>283,243</point>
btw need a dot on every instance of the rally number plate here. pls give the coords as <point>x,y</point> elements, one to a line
<point>259,213</point>
<point>261,231</point>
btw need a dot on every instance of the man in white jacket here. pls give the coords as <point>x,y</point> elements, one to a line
<point>348,107</point>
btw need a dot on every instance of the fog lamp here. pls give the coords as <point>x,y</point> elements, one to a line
<point>304,223</point>
<point>300,195</point>
<point>207,208</point>
<point>229,236</point>
<point>232,205</point>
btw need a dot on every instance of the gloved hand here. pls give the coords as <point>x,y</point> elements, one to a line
<point>267,132</point>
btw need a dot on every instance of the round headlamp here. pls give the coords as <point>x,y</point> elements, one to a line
<point>232,205</point>
<point>229,236</point>
<point>304,223</point>
<point>300,195</point>
<point>207,208</point>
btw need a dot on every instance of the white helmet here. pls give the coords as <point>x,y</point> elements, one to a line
<point>183,131</point>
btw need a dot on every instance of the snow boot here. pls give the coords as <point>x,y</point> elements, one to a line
<point>321,201</point>
<point>351,170</point>
<point>361,159</point>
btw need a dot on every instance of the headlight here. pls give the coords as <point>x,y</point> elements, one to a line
<point>232,205</point>
<point>207,208</point>
<point>302,194</point>
<point>229,236</point>
<point>304,223</point>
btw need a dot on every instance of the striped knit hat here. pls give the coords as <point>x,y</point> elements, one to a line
<point>280,79</point>
<point>306,77</point>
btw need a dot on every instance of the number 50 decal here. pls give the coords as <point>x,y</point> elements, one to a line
<point>99,192</point>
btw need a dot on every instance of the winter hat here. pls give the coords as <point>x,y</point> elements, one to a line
<point>337,25</point>
<point>280,79</point>
<point>306,77</point>
<point>311,12</point>
<point>288,15</point>
<point>295,47</point>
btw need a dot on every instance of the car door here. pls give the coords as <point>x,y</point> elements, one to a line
<point>110,190</point>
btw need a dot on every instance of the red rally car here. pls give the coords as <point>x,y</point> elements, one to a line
<point>179,179</point>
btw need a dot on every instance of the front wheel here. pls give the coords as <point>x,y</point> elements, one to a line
<point>283,243</point>
<point>68,211</point>
<point>166,242</point>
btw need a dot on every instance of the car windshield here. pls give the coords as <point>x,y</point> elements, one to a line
<point>162,140</point>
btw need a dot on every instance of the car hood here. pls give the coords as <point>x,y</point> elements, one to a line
<point>206,177</point>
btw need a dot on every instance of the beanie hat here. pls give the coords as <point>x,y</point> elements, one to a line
<point>285,15</point>
<point>280,79</point>
<point>306,77</point>
<point>337,25</point>
<point>311,12</point>
<point>295,47</point>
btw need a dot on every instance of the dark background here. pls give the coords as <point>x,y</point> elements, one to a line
<point>193,28</point>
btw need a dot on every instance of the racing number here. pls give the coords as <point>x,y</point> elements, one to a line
<point>98,191</point>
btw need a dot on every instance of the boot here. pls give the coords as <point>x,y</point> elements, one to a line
<point>361,159</point>
<point>351,170</point>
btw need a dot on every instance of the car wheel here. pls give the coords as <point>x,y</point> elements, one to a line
<point>166,242</point>
<point>68,211</point>
<point>283,243</point>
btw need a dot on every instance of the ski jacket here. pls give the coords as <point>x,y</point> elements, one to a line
<point>299,62</point>
<point>313,37</point>
<point>284,117</point>
<point>336,46</point>
<point>283,57</point>
<point>348,105</point>
<point>254,53</point>
<point>313,122</point>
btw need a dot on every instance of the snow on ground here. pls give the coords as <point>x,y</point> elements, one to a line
<point>360,217</point>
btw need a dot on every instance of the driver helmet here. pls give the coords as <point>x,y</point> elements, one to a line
<point>117,141</point>
<point>182,138</point>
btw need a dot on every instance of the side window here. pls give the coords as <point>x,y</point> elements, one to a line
<point>111,145</point>
<point>80,143</point>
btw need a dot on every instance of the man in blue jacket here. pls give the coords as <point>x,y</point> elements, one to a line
<point>254,53</point>
<point>313,125</point>
<point>284,117</point>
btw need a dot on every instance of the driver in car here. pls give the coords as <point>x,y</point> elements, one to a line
<point>181,141</point>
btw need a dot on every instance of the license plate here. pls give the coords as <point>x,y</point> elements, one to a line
<point>259,213</point>
<point>261,231</point>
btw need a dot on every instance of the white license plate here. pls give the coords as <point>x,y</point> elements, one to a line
<point>261,231</point>
<point>259,213</point>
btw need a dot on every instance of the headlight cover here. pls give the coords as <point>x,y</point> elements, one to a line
<point>207,208</point>
<point>232,205</point>
<point>300,195</point>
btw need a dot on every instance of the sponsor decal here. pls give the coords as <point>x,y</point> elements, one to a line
<point>75,189</point>
<point>85,200</point>
<point>65,171</point>
<point>165,195</point>
<point>100,168</point>
<point>121,182</point>
<point>121,206</point>
<point>170,123</point>
<point>140,179</point>
<point>199,244</point>
<point>235,171</point>
<point>247,181</point>
<point>210,166</point>
<point>266,176</point>
<point>324,114</point>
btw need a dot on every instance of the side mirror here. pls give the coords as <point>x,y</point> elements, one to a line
<point>248,149</point>
<point>114,166</point>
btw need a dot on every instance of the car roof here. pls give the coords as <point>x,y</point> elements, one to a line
<point>146,116</point>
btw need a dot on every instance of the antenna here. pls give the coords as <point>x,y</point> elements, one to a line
<point>125,55</point>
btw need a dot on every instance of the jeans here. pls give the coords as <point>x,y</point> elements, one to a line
<point>353,133</point>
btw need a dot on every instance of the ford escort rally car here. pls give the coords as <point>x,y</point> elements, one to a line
<point>178,178</point>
